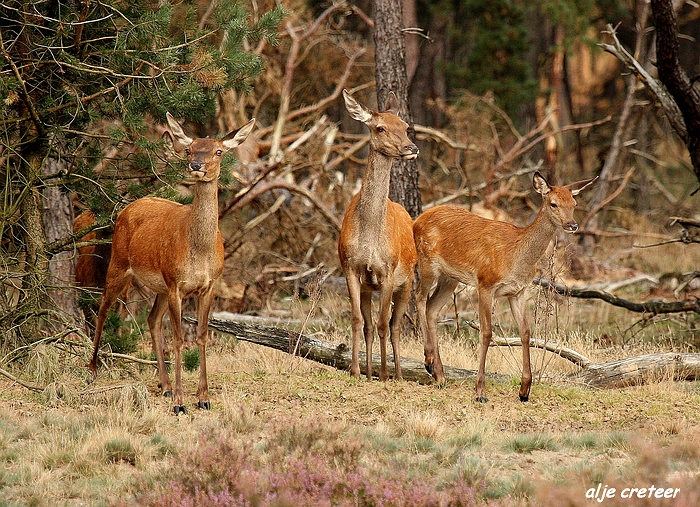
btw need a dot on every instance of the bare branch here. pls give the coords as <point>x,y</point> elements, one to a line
<point>667,103</point>
<point>651,307</point>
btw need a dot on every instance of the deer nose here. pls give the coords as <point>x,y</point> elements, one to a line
<point>409,152</point>
<point>571,227</point>
<point>196,165</point>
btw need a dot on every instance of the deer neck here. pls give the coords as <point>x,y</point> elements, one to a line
<point>372,203</point>
<point>535,239</point>
<point>204,216</point>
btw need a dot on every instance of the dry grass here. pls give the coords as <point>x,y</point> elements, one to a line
<point>78,445</point>
<point>113,441</point>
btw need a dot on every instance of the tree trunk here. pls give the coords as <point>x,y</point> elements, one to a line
<point>428,81</point>
<point>552,104</point>
<point>412,41</point>
<point>641,370</point>
<point>390,73</point>
<point>33,291</point>
<point>58,221</point>
<point>672,75</point>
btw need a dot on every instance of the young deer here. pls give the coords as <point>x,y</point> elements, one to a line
<point>455,246</point>
<point>177,251</point>
<point>376,246</point>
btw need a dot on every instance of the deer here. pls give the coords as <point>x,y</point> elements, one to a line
<point>93,260</point>
<point>497,257</point>
<point>176,251</point>
<point>376,247</point>
<point>92,263</point>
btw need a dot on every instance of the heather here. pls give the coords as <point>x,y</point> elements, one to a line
<point>229,470</point>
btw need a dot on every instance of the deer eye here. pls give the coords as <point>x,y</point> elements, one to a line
<point>381,129</point>
<point>553,205</point>
<point>219,152</point>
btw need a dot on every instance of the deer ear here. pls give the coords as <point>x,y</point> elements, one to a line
<point>356,110</point>
<point>540,184</point>
<point>577,187</point>
<point>238,136</point>
<point>177,131</point>
<point>392,103</point>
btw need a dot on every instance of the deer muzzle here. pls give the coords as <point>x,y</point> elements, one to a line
<point>571,227</point>
<point>410,152</point>
<point>197,167</point>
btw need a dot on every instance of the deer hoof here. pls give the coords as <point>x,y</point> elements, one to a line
<point>482,399</point>
<point>168,394</point>
<point>524,398</point>
<point>181,409</point>
<point>204,405</point>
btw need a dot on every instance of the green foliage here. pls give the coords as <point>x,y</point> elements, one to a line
<point>121,338</point>
<point>190,359</point>
<point>120,450</point>
<point>81,80</point>
<point>490,46</point>
<point>126,61</point>
<point>527,443</point>
<point>488,40</point>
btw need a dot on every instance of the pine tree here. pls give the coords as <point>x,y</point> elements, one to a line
<point>79,79</point>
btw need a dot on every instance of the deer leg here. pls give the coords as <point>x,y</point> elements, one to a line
<point>385,295</point>
<point>400,299</point>
<point>175,309</point>
<point>203,307</point>
<point>442,294</point>
<point>114,287</point>
<point>368,328</point>
<point>517,307</point>
<point>155,324</point>
<point>425,282</point>
<point>485,312</point>
<point>355,320</point>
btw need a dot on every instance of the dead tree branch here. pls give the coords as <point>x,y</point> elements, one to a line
<point>650,307</point>
<point>673,113</point>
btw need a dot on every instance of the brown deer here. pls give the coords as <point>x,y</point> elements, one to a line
<point>177,251</point>
<point>91,267</point>
<point>499,258</point>
<point>376,246</point>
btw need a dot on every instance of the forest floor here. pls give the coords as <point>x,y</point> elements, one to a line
<point>116,442</point>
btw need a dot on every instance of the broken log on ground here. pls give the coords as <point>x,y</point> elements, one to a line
<point>621,373</point>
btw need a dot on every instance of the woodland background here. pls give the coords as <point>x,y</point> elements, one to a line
<point>496,90</point>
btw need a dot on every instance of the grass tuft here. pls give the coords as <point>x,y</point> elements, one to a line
<point>120,450</point>
<point>530,442</point>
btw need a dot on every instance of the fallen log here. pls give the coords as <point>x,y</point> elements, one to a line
<point>621,373</point>
<point>336,355</point>
<point>641,370</point>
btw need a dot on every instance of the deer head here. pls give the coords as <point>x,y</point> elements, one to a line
<point>204,154</point>
<point>559,202</point>
<point>389,133</point>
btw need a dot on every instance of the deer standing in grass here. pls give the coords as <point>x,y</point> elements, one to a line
<point>499,258</point>
<point>177,251</point>
<point>376,246</point>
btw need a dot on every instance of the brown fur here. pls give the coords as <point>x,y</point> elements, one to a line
<point>456,246</point>
<point>376,247</point>
<point>176,251</point>
<point>91,267</point>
